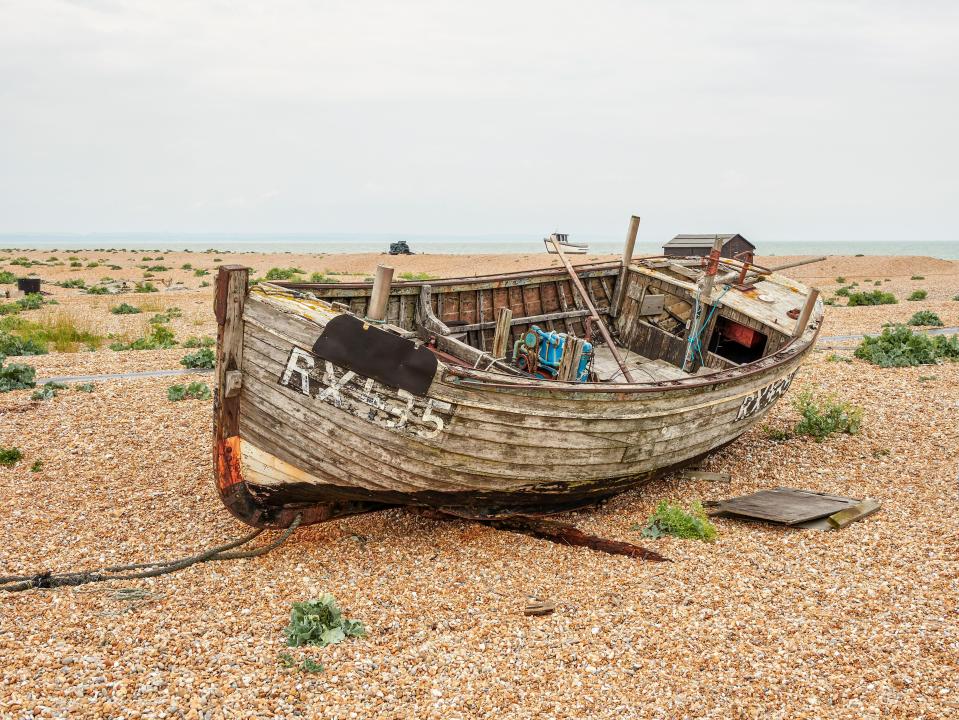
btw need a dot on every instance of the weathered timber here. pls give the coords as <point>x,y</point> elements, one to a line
<point>501,337</point>
<point>554,531</point>
<point>483,439</point>
<point>846,517</point>
<point>593,313</point>
<point>622,276</point>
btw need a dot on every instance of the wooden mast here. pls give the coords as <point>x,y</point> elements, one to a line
<point>704,293</point>
<point>624,270</point>
<point>592,309</point>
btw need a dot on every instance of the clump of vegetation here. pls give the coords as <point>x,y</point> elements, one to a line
<point>62,332</point>
<point>823,417</point>
<point>205,283</point>
<point>918,277</point>
<point>125,309</point>
<point>833,357</point>
<point>158,268</point>
<point>320,622</point>
<point>830,301</point>
<point>283,273</point>
<point>97,290</point>
<point>146,287</point>
<point>417,276</point>
<point>308,665</point>
<point>876,297</point>
<point>200,359</point>
<point>200,272</point>
<point>671,519</point>
<point>10,456</point>
<point>322,278</point>
<point>160,338</point>
<point>15,345</point>
<point>840,280</point>
<point>918,295</point>
<point>76,264</point>
<point>777,434</point>
<point>925,318</point>
<point>899,346</point>
<point>17,376</point>
<point>165,317</point>
<point>73,283</point>
<point>7,277</point>
<point>48,391</point>
<point>844,291</point>
<point>877,283</point>
<point>37,466</point>
<point>32,301</point>
<point>85,387</point>
<point>193,391</point>
<point>199,342</point>
<point>186,266</point>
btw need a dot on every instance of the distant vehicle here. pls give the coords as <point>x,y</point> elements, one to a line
<point>400,248</point>
<point>570,248</point>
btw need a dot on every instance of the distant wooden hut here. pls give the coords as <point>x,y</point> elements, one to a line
<point>689,245</point>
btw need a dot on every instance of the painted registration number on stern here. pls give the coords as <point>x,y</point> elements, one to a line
<point>397,410</point>
<point>764,397</point>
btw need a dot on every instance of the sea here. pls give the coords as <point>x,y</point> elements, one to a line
<point>447,244</point>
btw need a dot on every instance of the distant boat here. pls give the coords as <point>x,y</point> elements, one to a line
<point>570,248</point>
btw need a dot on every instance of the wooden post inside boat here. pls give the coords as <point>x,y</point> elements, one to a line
<point>380,295</point>
<point>569,364</point>
<point>624,270</point>
<point>504,319</point>
<point>704,293</point>
<point>578,284</point>
<point>807,309</point>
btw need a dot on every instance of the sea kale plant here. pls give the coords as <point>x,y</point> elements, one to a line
<point>899,346</point>
<point>822,417</point>
<point>320,622</point>
<point>671,519</point>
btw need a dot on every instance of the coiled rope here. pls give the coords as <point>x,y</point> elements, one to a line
<point>137,571</point>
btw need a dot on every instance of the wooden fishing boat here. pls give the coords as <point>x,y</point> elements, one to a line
<point>565,244</point>
<point>334,399</point>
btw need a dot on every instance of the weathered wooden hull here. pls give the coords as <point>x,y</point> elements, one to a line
<point>326,442</point>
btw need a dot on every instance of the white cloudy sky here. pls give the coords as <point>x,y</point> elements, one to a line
<point>779,120</point>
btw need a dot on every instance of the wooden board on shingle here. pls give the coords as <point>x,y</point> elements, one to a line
<point>788,506</point>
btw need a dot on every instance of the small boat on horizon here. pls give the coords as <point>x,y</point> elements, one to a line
<point>567,245</point>
<point>521,393</point>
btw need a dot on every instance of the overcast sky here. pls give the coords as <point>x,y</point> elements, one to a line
<point>779,120</point>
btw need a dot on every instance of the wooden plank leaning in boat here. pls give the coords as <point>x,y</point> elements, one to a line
<point>604,331</point>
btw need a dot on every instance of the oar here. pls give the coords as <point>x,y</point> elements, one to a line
<point>577,283</point>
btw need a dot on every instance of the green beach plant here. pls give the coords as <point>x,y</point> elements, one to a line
<point>925,318</point>
<point>320,622</point>
<point>670,519</point>
<point>876,297</point>
<point>822,417</point>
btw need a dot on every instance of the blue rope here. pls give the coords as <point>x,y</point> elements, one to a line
<point>695,340</point>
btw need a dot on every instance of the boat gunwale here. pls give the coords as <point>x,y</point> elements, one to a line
<point>505,277</point>
<point>796,346</point>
